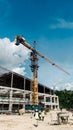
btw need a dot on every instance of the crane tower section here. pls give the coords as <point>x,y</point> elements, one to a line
<point>34,67</point>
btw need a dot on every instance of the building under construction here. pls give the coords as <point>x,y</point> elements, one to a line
<point>15,92</point>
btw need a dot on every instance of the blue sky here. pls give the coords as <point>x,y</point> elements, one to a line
<point>50,23</point>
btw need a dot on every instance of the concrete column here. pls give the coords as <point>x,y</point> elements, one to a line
<point>51,102</point>
<point>31,92</point>
<point>58,102</point>
<point>44,98</point>
<point>24,95</point>
<point>10,102</point>
<point>54,100</point>
<point>11,91</point>
<point>30,98</point>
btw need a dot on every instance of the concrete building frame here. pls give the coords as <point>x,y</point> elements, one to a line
<point>15,92</point>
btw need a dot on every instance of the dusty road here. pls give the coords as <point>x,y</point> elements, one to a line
<point>28,122</point>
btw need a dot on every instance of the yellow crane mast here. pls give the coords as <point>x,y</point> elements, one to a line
<point>34,66</point>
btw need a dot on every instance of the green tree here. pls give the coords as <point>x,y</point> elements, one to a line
<point>65,99</point>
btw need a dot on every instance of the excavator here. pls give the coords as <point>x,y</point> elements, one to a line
<point>34,65</point>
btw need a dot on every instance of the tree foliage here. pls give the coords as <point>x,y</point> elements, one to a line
<point>65,99</point>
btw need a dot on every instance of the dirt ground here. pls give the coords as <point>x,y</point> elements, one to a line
<point>28,122</point>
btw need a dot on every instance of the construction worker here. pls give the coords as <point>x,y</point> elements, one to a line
<point>42,115</point>
<point>39,114</point>
<point>36,117</point>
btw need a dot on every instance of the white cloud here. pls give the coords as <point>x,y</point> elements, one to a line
<point>68,86</point>
<point>61,23</point>
<point>20,70</point>
<point>11,55</point>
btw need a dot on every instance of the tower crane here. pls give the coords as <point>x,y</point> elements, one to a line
<point>34,66</point>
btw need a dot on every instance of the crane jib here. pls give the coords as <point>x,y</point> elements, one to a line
<point>21,40</point>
